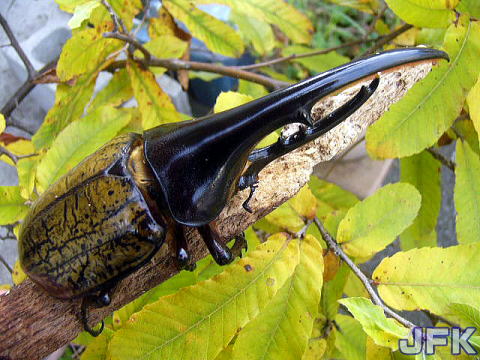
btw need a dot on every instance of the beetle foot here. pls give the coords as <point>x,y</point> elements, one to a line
<point>97,302</point>
<point>239,245</point>
<point>219,251</point>
<point>245,204</point>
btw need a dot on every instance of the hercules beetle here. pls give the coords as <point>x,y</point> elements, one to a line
<point>110,214</point>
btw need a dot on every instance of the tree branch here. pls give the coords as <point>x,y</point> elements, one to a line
<point>332,244</point>
<point>440,157</point>
<point>34,324</point>
<point>13,41</point>
<point>387,38</point>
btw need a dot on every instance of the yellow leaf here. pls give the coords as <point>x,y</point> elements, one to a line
<point>127,10</point>
<point>167,46</point>
<point>430,278</point>
<point>154,104</point>
<point>473,100</point>
<point>285,218</point>
<point>217,36</point>
<point>432,105</point>
<point>374,351</point>
<point>424,13</point>
<point>277,12</point>
<point>199,321</point>
<point>256,31</point>
<point>117,91</point>
<point>467,194</point>
<point>84,52</point>
<point>375,222</point>
<point>97,349</point>
<point>27,170</point>
<point>70,5</point>
<point>12,205</point>
<point>304,203</point>
<point>78,140</point>
<point>18,275</point>
<point>368,6</point>
<point>3,123</point>
<point>20,147</point>
<point>287,321</point>
<point>384,331</point>
<point>230,99</point>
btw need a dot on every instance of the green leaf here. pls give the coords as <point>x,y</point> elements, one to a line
<point>332,291</point>
<point>167,46</point>
<point>285,218</point>
<point>467,194</point>
<point>332,194</point>
<point>317,63</point>
<point>278,12</point>
<point>465,130</point>
<point>98,348</point>
<point>286,323</point>
<point>375,222</point>
<point>251,89</point>
<point>432,105</point>
<point>230,99</point>
<point>430,278</point>
<point>470,6</point>
<point>70,103</point>
<point>423,13</point>
<point>385,332</point>
<point>423,172</point>
<point>82,12</point>
<point>3,123</point>
<point>78,140</point>
<point>117,91</point>
<point>84,52</point>
<point>368,6</point>
<point>154,104</point>
<point>199,321</point>
<point>12,205</point>
<point>70,5</point>
<point>351,340</point>
<point>217,36</point>
<point>473,101</point>
<point>27,170</point>
<point>255,31</point>
<point>469,315</point>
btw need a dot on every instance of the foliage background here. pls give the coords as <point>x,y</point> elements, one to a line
<point>292,310</point>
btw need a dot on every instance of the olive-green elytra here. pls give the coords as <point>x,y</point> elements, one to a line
<point>92,227</point>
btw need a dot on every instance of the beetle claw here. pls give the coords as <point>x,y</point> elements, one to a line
<point>245,204</point>
<point>84,317</point>
<point>239,245</point>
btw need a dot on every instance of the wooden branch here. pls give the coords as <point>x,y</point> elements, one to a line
<point>34,324</point>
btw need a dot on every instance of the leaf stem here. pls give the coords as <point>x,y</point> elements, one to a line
<point>332,243</point>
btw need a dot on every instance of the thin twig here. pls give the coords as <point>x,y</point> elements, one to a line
<point>118,24</point>
<point>440,157</point>
<point>4,262</point>
<point>21,93</point>
<point>387,38</point>
<point>130,40</point>
<point>12,156</point>
<point>363,278</point>
<point>13,41</point>
<point>299,56</point>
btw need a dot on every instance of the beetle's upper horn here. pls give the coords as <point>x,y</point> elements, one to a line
<point>198,163</point>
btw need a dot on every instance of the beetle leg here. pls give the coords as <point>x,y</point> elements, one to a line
<point>98,301</point>
<point>239,245</point>
<point>220,252</point>
<point>262,157</point>
<point>182,254</point>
